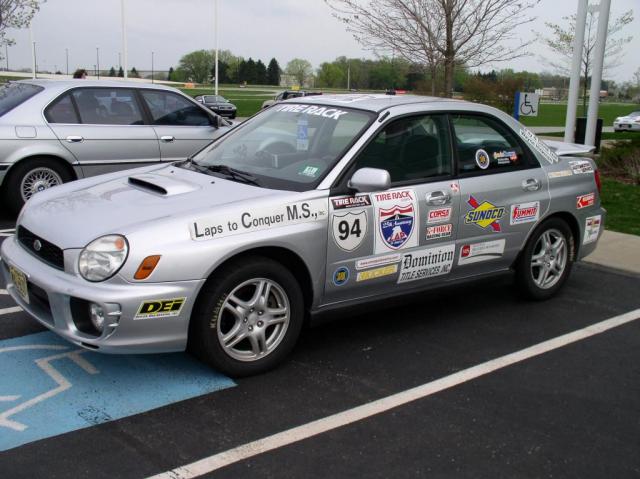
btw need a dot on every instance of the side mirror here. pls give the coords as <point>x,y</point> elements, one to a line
<point>367,180</point>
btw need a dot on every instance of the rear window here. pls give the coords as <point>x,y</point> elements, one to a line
<point>13,94</point>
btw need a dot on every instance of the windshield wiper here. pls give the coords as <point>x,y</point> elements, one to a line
<point>238,175</point>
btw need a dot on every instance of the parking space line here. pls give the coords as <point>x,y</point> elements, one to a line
<point>314,428</point>
<point>15,309</point>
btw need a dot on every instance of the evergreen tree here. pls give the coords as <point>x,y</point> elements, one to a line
<point>170,75</point>
<point>121,73</point>
<point>134,73</point>
<point>250,71</point>
<point>261,73</point>
<point>273,73</point>
<point>112,72</point>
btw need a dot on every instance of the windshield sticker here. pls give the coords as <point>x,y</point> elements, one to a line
<point>505,157</point>
<point>592,229</point>
<point>349,229</point>
<point>539,145</point>
<point>256,219</point>
<point>482,159</point>
<point>310,171</point>
<point>484,214</point>
<point>326,112</point>
<point>377,261</point>
<point>396,213</point>
<point>377,273</point>
<point>426,263</point>
<point>302,140</point>
<point>475,253</point>
<point>350,202</point>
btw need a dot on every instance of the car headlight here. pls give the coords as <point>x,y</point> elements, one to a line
<point>103,257</point>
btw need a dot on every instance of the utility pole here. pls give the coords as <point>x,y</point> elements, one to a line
<point>124,38</point>
<point>215,7</point>
<point>348,76</point>
<point>98,62</point>
<point>6,54</point>
<point>66,51</point>
<point>152,67</point>
<point>574,82</point>
<point>33,52</point>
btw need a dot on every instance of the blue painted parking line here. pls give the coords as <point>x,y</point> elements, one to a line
<point>49,387</point>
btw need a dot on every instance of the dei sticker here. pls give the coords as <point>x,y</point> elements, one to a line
<point>426,263</point>
<point>477,252</point>
<point>160,308</point>
<point>538,145</point>
<point>485,214</point>
<point>592,229</point>
<point>259,218</point>
<point>395,213</point>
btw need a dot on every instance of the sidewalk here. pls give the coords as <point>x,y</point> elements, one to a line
<point>617,250</point>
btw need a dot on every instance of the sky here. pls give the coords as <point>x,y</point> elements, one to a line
<point>260,29</point>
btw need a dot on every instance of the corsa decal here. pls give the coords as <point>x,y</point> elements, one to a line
<point>484,214</point>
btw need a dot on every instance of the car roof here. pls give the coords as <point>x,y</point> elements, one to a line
<point>73,83</point>
<point>375,102</point>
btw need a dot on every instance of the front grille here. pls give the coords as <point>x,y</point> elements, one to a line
<point>48,252</point>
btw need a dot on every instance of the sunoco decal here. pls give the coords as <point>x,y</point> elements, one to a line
<point>350,202</point>
<point>484,214</point>
<point>524,213</point>
<point>426,263</point>
<point>439,231</point>
<point>592,229</point>
<point>160,308</point>
<point>539,145</point>
<point>477,252</point>
<point>256,219</point>
<point>396,213</point>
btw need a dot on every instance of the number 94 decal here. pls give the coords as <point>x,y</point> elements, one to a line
<point>349,230</point>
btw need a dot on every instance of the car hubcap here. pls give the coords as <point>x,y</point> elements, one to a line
<point>253,319</point>
<point>38,180</point>
<point>549,259</point>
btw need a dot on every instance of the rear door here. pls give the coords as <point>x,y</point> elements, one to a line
<point>504,192</point>
<point>182,126</point>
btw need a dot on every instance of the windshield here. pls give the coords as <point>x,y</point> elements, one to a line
<point>290,146</point>
<point>213,99</point>
<point>634,113</point>
<point>13,94</point>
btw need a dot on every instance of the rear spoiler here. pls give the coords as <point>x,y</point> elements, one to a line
<point>561,148</point>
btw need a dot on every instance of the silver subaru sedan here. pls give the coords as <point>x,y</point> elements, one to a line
<point>55,131</point>
<point>312,205</point>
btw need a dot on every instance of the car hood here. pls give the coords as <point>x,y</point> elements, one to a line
<point>72,215</point>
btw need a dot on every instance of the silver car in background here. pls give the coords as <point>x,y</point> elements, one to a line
<point>55,131</point>
<point>311,205</point>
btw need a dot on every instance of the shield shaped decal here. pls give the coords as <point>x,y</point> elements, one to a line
<point>349,230</point>
<point>396,225</point>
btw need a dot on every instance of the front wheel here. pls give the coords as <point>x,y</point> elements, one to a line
<point>545,263</point>
<point>247,318</point>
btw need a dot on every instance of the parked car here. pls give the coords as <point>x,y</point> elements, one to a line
<point>55,131</point>
<point>218,104</point>
<point>315,204</point>
<point>630,122</point>
<point>287,95</point>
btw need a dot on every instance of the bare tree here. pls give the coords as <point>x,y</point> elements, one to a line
<point>561,43</point>
<point>16,14</point>
<point>439,33</point>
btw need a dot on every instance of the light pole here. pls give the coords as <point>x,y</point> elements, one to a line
<point>66,52</point>
<point>6,54</point>
<point>98,62</point>
<point>215,6</point>
<point>33,52</point>
<point>124,38</point>
<point>152,67</point>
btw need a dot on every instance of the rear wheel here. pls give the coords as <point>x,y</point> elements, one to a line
<point>247,318</point>
<point>546,261</point>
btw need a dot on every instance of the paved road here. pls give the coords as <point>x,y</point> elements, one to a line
<point>570,412</point>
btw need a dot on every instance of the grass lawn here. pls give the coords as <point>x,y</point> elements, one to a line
<point>621,200</point>
<point>554,114</point>
<point>248,102</point>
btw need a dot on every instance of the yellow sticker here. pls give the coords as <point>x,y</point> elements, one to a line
<point>160,308</point>
<point>377,272</point>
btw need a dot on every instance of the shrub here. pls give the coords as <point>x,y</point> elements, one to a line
<point>622,159</point>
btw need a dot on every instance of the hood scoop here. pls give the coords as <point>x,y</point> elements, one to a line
<point>161,184</point>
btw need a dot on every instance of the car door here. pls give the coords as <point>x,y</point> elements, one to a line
<point>504,192</point>
<point>390,241</point>
<point>104,128</point>
<point>182,126</point>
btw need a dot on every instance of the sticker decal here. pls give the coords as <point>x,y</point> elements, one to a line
<point>585,200</point>
<point>505,157</point>
<point>538,145</point>
<point>524,213</point>
<point>580,166</point>
<point>326,112</point>
<point>559,174</point>
<point>302,138</point>
<point>439,215</point>
<point>160,308</point>
<point>349,229</point>
<point>309,171</point>
<point>377,273</point>
<point>426,263</point>
<point>484,214</point>
<point>255,219</point>
<point>455,186</point>
<point>395,214</point>
<point>439,231</point>
<point>341,276</point>
<point>482,159</point>
<point>592,229</point>
<point>377,261</point>
<point>350,202</point>
<point>477,252</point>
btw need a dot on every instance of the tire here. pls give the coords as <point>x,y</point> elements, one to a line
<point>225,307</point>
<point>550,248</point>
<point>31,176</point>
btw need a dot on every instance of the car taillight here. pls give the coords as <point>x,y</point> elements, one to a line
<point>596,175</point>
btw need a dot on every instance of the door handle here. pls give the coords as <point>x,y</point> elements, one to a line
<point>75,139</point>
<point>531,184</point>
<point>167,138</point>
<point>437,198</point>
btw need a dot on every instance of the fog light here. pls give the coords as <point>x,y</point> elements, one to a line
<point>96,313</point>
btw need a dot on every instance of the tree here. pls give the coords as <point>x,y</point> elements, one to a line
<point>273,72</point>
<point>15,14</point>
<point>300,69</point>
<point>261,73</point>
<point>197,65</point>
<point>112,72</point>
<point>120,72</point>
<point>561,43</point>
<point>170,74</point>
<point>134,73</point>
<point>331,75</point>
<point>436,33</point>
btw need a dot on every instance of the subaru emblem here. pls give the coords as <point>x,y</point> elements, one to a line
<point>37,245</point>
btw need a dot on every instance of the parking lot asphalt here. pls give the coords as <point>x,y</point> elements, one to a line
<point>570,412</point>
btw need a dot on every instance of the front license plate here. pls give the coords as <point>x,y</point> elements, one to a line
<point>20,282</point>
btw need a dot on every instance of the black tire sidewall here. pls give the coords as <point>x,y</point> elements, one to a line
<point>203,338</point>
<point>523,269</point>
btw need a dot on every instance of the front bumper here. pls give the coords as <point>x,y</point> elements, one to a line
<point>51,305</point>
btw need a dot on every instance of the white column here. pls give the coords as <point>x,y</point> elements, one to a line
<point>596,75</point>
<point>576,62</point>
<point>215,7</point>
<point>125,65</point>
